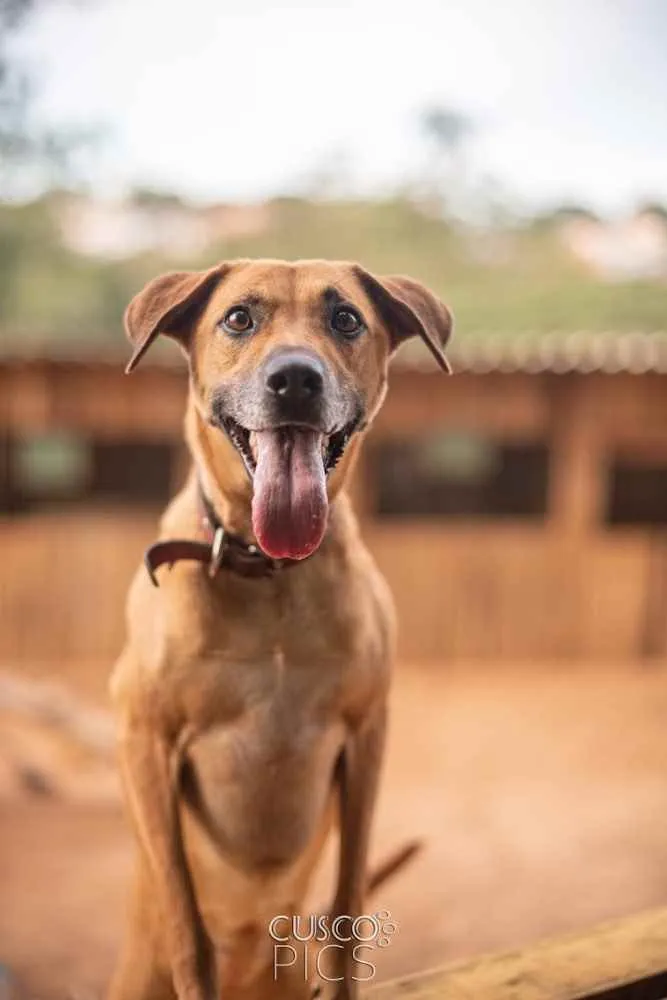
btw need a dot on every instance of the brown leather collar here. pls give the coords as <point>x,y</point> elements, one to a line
<point>223,551</point>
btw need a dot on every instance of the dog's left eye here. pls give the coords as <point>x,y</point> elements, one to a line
<point>238,320</point>
<point>346,321</point>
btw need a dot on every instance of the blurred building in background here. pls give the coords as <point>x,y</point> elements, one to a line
<point>633,248</point>
<point>518,509</point>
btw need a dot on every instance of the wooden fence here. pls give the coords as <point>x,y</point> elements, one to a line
<point>462,592</point>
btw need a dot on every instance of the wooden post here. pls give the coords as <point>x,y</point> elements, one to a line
<point>578,476</point>
<point>654,632</point>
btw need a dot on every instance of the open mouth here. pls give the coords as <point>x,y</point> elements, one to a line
<point>332,445</point>
<point>289,466</point>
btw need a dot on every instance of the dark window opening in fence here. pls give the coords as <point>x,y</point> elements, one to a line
<point>57,469</point>
<point>134,471</point>
<point>637,494</point>
<point>460,475</point>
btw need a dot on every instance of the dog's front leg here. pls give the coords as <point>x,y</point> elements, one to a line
<point>359,774</point>
<point>150,766</point>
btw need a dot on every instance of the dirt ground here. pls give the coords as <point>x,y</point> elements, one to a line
<point>540,794</point>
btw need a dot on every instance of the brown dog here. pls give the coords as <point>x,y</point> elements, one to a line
<point>251,694</point>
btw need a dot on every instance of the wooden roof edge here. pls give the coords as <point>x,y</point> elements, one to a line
<point>580,352</point>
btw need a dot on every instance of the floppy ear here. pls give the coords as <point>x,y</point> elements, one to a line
<point>169,305</point>
<point>410,309</point>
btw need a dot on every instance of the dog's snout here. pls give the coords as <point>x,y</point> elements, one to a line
<point>295,378</point>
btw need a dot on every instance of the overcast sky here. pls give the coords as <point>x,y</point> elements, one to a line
<point>220,100</point>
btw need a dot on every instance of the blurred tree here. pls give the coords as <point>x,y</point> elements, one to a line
<point>26,147</point>
<point>655,208</point>
<point>13,83</point>
<point>447,132</point>
<point>149,198</point>
<point>446,128</point>
<point>563,213</point>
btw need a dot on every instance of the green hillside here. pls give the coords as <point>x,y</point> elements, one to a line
<point>517,279</point>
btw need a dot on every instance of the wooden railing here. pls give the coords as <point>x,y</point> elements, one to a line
<point>626,960</point>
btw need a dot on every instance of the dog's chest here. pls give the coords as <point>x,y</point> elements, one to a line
<point>261,777</point>
<point>308,651</point>
<point>267,688</point>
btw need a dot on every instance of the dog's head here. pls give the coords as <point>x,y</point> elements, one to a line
<point>289,360</point>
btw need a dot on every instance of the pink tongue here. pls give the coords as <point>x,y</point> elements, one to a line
<point>289,504</point>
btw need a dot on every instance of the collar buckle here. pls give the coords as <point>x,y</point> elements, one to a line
<point>218,549</point>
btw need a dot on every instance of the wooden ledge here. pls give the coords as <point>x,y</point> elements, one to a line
<point>624,960</point>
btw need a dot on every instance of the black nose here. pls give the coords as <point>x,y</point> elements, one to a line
<point>295,377</point>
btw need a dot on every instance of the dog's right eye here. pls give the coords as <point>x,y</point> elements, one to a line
<point>237,320</point>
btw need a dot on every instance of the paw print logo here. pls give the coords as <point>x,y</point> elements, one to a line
<point>387,928</point>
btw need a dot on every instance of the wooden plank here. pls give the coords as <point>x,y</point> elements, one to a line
<point>507,406</point>
<point>462,592</point>
<point>96,400</point>
<point>629,407</point>
<point>606,958</point>
<point>68,577</point>
<point>512,591</point>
